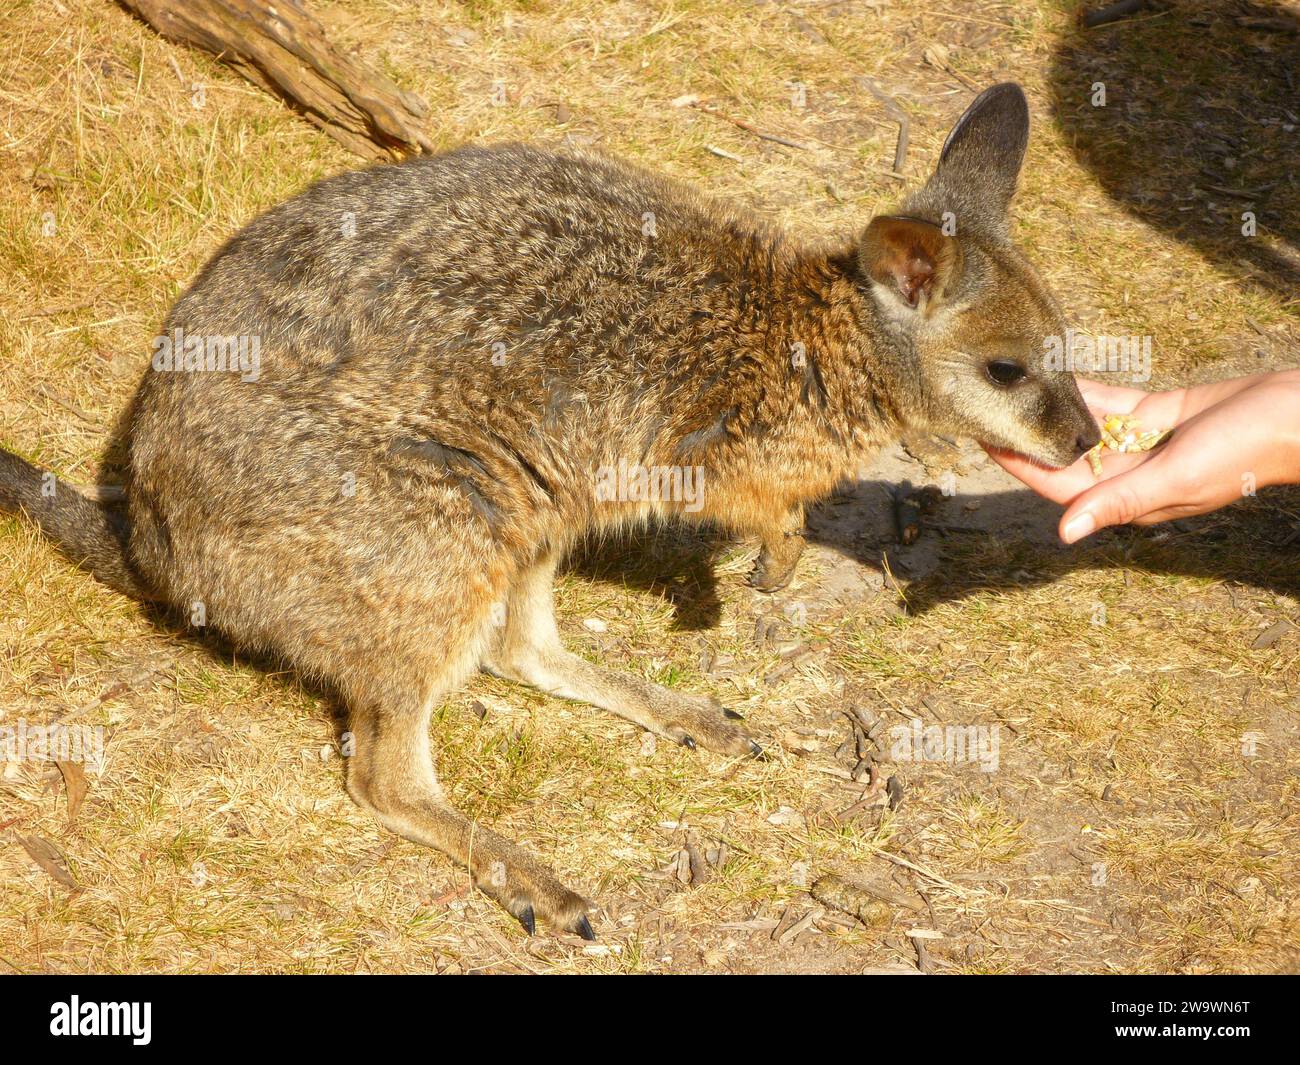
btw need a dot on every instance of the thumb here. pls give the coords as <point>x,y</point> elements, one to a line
<point>1115,501</point>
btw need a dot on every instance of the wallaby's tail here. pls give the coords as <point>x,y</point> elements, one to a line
<point>88,533</point>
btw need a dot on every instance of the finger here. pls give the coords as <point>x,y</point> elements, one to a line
<point>1109,399</point>
<point>1172,514</point>
<point>1155,410</point>
<point>1133,495</point>
<point>1065,485</point>
<point>1060,486</point>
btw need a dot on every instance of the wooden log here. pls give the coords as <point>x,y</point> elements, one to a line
<point>279,45</point>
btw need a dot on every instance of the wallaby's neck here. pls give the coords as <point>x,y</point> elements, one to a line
<point>833,382</point>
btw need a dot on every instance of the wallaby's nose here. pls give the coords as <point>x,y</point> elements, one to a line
<point>1087,440</point>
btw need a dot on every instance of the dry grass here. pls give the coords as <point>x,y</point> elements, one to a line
<point>218,836</point>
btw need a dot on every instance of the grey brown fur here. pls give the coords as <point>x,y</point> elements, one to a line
<point>453,347</point>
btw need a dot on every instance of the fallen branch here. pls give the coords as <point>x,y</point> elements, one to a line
<point>283,49</point>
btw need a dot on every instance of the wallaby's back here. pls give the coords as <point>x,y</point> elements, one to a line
<point>496,321</point>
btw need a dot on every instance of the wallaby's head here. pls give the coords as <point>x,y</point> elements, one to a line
<point>970,314</point>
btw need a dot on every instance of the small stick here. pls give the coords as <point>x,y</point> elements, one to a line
<point>1240,194</point>
<point>451,895</point>
<point>283,49</point>
<point>47,393</point>
<point>860,742</point>
<point>926,899</point>
<point>856,713</point>
<point>783,924</point>
<point>709,109</point>
<point>724,153</point>
<point>968,18</point>
<point>923,961</point>
<point>699,868</point>
<point>177,67</point>
<point>799,927</point>
<point>889,575</point>
<point>898,115</point>
<point>61,308</point>
<point>850,812</point>
<point>927,873</point>
<point>876,781</point>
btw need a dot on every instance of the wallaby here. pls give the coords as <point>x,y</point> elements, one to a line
<point>453,354</point>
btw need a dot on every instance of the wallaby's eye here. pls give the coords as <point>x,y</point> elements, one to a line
<point>1004,373</point>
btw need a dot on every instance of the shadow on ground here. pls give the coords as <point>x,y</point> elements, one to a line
<point>1198,128</point>
<point>971,543</point>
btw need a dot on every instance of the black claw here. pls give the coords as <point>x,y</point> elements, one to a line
<point>528,921</point>
<point>733,715</point>
<point>756,752</point>
<point>688,743</point>
<point>584,929</point>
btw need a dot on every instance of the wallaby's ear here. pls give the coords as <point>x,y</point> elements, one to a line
<point>914,259</point>
<point>981,158</point>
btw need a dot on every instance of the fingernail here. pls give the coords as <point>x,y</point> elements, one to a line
<point>1078,527</point>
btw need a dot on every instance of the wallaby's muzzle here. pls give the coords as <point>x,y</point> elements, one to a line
<point>1069,424</point>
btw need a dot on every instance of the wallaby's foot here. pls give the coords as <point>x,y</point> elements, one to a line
<point>507,873</point>
<point>523,886</point>
<point>391,773</point>
<point>775,566</point>
<point>699,721</point>
<point>528,890</point>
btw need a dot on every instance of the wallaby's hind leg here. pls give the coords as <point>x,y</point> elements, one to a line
<point>529,650</point>
<point>391,773</point>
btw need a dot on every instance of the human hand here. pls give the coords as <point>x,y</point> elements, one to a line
<point>1232,437</point>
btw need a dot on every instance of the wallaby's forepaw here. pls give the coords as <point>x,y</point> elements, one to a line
<point>702,722</point>
<point>774,568</point>
<point>767,578</point>
<point>530,892</point>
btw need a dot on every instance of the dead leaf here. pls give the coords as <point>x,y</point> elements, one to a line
<point>1272,634</point>
<point>47,856</point>
<point>74,779</point>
